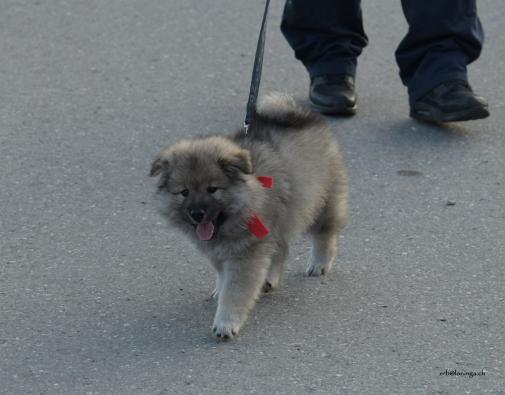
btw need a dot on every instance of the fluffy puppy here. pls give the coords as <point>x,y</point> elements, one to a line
<point>241,199</point>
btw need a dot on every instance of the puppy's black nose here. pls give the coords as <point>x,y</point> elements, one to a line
<point>197,214</point>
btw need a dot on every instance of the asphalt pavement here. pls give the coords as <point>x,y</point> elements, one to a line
<point>99,296</point>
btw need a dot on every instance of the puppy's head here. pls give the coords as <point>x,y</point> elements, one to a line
<point>202,184</point>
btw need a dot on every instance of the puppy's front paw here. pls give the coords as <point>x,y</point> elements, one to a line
<point>225,329</point>
<point>267,287</point>
<point>272,281</point>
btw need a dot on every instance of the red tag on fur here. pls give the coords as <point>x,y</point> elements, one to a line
<point>257,227</point>
<point>254,223</point>
<point>266,181</point>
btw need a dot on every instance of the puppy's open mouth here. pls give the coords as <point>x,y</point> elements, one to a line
<point>206,230</point>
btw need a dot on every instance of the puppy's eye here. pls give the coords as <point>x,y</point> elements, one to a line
<point>184,193</point>
<point>212,189</point>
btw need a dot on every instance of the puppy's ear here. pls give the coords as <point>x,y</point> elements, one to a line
<point>240,162</point>
<point>158,166</point>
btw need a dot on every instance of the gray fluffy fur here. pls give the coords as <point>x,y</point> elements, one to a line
<point>294,146</point>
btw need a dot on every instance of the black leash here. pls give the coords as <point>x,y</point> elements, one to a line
<point>256,74</point>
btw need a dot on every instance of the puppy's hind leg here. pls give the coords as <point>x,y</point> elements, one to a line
<point>240,286</point>
<point>276,270</point>
<point>324,237</point>
<point>323,253</point>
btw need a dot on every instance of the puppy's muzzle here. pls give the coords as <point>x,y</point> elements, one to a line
<point>197,214</point>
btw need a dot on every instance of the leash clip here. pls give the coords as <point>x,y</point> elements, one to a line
<point>246,128</point>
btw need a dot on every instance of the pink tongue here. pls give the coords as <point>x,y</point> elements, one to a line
<point>205,231</point>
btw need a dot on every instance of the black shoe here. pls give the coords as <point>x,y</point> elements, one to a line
<point>333,94</point>
<point>450,102</point>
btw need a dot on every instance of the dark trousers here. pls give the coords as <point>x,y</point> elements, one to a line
<point>444,36</point>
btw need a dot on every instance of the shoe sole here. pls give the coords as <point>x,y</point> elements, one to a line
<point>436,116</point>
<point>344,111</point>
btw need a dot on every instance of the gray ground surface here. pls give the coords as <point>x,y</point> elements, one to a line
<point>99,296</point>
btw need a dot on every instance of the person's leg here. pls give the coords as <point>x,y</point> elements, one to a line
<point>444,36</point>
<point>326,35</point>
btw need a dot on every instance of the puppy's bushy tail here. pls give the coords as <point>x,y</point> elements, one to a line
<point>282,109</point>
